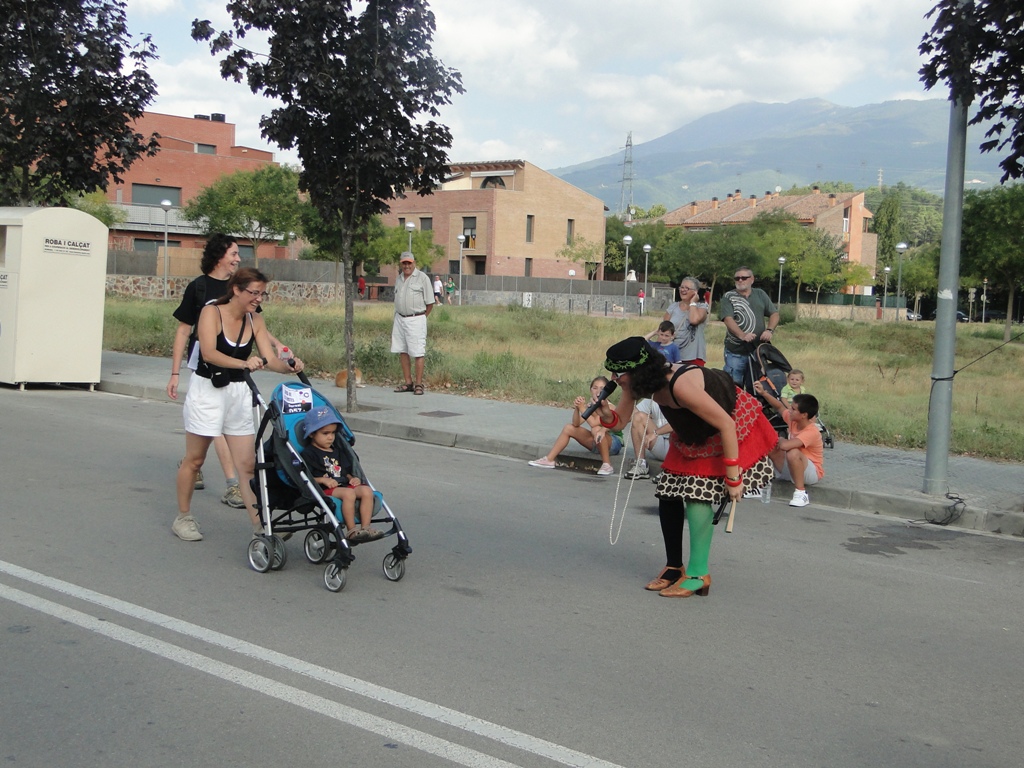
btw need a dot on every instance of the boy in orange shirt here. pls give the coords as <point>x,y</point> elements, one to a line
<point>798,458</point>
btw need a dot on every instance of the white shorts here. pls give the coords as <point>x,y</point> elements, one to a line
<point>810,473</point>
<point>409,335</point>
<point>211,412</point>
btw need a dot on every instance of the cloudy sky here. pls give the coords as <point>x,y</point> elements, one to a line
<point>558,82</point>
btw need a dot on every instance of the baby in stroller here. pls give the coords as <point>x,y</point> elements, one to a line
<point>332,470</point>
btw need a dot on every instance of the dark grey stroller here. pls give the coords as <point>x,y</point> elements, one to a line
<point>769,366</point>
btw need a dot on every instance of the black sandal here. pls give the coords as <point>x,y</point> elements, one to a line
<point>404,388</point>
<point>418,389</point>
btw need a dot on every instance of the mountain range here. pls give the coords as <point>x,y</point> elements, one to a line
<point>757,147</point>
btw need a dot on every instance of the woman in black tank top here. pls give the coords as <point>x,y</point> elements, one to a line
<point>229,330</point>
<point>720,440</point>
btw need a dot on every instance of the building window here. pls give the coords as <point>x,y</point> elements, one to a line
<point>570,231</point>
<point>153,246</point>
<point>206,149</point>
<point>493,182</point>
<point>528,271</point>
<point>426,224</point>
<point>152,194</point>
<point>453,267</point>
<point>469,230</point>
<point>529,229</point>
<point>401,222</point>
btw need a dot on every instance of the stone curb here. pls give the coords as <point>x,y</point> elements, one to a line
<point>904,506</point>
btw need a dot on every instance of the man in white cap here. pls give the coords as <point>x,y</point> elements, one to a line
<point>414,299</point>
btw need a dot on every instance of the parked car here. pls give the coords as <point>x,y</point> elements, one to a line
<point>995,314</point>
<point>960,317</point>
<point>912,315</point>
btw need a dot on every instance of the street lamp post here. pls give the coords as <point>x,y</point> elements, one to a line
<point>410,228</point>
<point>627,240</point>
<point>782,262</point>
<point>984,298</point>
<point>647,255</point>
<point>462,242</point>
<point>885,297</point>
<point>901,248</point>
<point>166,205</point>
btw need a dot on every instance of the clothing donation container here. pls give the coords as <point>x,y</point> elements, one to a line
<point>53,267</point>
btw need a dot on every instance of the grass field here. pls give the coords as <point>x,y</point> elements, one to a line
<point>873,380</point>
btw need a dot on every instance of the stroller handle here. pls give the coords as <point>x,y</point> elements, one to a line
<point>247,374</point>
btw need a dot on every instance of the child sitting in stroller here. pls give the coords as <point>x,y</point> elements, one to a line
<point>331,469</point>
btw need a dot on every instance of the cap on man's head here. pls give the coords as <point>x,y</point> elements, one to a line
<point>318,418</point>
<point>407,256</point>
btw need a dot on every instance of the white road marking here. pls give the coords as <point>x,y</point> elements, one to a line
<point>412,737</point>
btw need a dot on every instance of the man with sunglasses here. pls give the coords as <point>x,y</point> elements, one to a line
<point>744,312</point>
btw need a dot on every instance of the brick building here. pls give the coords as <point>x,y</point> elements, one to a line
<point>194,152</point>
<point>514,217</point>
<point>841,214</point>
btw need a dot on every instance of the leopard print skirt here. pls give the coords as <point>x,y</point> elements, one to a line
<point>712,490</point>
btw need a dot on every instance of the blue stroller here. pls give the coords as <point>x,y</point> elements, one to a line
<point>288,500</point>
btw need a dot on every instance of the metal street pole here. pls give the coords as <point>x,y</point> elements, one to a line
<point>940,405</point>
<point>984,298</point>
<point>901,248</point>
<point>410,228</point>
<point>625,273</point>
<point>647,254</point>
<point>166,205</point>
<point>782,262</point>
<point>885,300</point>
<point>462,242</point>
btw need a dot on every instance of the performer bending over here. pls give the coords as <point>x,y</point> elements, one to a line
<point>720,442</point>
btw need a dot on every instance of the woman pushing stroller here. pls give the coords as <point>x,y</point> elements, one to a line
<point>720,444</point>
<point>219,401</point>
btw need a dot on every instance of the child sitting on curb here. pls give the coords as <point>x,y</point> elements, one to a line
<point>592,434</point>
<point>798,458</point>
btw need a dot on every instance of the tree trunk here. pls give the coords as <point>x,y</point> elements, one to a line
<point>350,308</point>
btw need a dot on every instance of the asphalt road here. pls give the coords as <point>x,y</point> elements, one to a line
<point>519,635</point>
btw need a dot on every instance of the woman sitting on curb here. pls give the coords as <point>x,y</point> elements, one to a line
<point>592,434</point>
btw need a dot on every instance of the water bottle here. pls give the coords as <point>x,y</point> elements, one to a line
<point>766,494</point>
<point>286,355</point>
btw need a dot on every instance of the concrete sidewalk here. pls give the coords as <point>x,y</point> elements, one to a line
<point>983,495</point>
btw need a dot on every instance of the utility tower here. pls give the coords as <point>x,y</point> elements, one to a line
<point>626,194</point>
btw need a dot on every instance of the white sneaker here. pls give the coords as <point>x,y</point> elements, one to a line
<point>799,499</point>
<point>186,528</point>
<point>543,463</point>
<point>638,471</point>
<point>606,469</point>
<point>752,495</point>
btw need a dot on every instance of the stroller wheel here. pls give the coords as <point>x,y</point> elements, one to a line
<point>261,556</point>
<point>335,577</point>
<point>394,567</point>
<point>316,546</point>
<point>280,554</point>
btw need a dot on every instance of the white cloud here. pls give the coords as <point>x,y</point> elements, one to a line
<point>561,83</point>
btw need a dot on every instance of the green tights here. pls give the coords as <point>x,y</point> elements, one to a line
<point>699,514</point>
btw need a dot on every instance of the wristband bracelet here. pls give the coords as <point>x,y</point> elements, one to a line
<point>175,373</point>
<point>614,421</point>
<point>733,483</point>
<point>770,330</point>
<point>731,462</point>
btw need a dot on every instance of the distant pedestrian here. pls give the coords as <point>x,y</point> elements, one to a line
<point>640,300</point>
<point>413,302</point>
<point>449,289</point>
<point>438,289</point>
<point>362,287</point>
